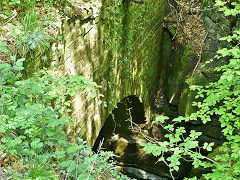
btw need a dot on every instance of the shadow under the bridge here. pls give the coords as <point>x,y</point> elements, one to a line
<point>121,135</point>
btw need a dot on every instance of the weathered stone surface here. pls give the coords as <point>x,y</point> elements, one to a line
<point>180,68</point>
<point>178,63</point>
<point>140,174</point>
<point>131,154</point>
<point>119,48</point>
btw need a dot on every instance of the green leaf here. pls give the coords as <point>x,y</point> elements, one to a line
<point>33,45</point>
<point>160,119</point>
<point>36,143</point>
<point>19,65</point>
<point>60,154</point>
<point>67,163</point>
<point>86,176</point>
<point>73,149</point>
<point>169,127</point>
<point>4,17</point>
<point>179,119</point>
<point>5,66</point>
<point>3,47</point>
<point>50,132</point>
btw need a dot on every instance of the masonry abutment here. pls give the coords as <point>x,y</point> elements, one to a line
<point>117,45</point>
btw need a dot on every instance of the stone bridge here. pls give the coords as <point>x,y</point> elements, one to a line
<point>116,44</point>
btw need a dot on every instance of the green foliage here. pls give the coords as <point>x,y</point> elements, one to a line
<point>228,11</point>
<point>23,6</point>
<point>219,99</point>
<point>35,112</point>
<point>177,145</point>
<point>28,36</point>
<point>20,5</point>
<point>27,28</point>
<point>33,116</point>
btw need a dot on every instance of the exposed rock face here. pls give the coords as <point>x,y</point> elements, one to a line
<point>134,160</point>
<point>180,67</point>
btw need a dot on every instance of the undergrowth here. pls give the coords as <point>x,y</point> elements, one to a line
<point>35,111</point>
<point>33,116</point>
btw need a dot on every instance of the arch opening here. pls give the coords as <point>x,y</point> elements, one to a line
<point>127,112</point>
<point>124,139</point>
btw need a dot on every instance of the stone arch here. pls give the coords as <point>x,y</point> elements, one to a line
<point>118,123</point>
<point>118,136</point>
<point>123,65</point>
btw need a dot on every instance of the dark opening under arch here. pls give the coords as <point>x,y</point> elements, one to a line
<point>129,108</point>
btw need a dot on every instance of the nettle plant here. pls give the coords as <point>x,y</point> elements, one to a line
<point>33,117</point>
<point>220,99</point>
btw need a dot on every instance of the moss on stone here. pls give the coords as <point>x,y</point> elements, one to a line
<point>118,50</point>
<point>172,30</point>
<point>185,107</point>
<point>178,69</point>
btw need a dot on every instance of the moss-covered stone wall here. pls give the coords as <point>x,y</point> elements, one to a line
<point>181,68</point>
<point>116,44</point>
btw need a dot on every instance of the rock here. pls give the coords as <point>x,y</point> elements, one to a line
<point>125,139</point>
<point>140,174</point>
<point>129,153</point>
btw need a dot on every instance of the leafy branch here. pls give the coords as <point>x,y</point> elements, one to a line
<point>220,99</point>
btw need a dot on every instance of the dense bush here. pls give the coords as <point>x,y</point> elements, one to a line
<point>33,115</point>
